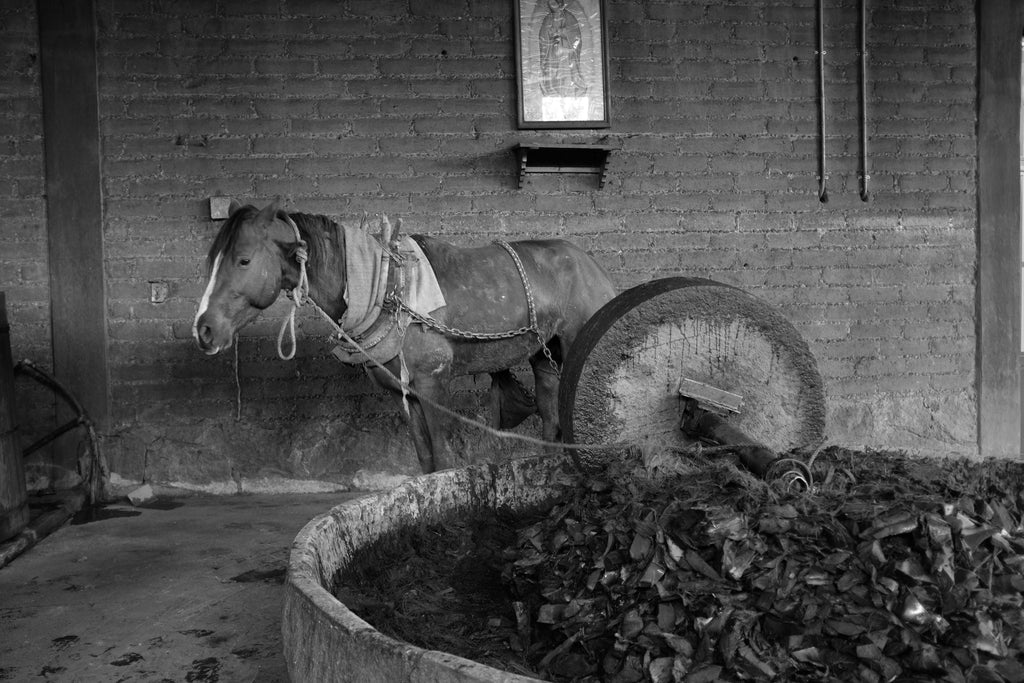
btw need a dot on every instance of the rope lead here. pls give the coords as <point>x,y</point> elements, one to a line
<point>299,294</point>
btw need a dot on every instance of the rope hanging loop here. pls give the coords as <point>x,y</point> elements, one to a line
<point>298,294</point>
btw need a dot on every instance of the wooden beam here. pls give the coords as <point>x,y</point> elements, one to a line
<point>71,135</point>
<point>14,512</point>
<point>999,227</point>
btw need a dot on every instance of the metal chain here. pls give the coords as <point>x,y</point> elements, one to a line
<point>571,448</point>
<point>526,285</point>
<point>698,450</point>
<point>533,311</point>
<point>551,359</point>
<point>436,324</point>
<point>301,294</point>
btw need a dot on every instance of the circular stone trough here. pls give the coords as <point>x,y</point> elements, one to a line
<point>325,641</point>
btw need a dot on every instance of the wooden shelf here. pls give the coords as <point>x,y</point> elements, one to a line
<point>565,158</point>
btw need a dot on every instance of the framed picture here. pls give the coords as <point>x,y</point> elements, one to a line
<point>562,63</point>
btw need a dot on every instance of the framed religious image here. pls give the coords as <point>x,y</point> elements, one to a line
<point>562,63</point>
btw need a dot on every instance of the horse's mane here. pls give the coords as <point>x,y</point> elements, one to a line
<point>323,242</point>
<point>319,232</point>
<point>228,233</point>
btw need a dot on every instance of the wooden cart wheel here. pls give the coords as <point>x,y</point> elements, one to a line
<point>620,380</point>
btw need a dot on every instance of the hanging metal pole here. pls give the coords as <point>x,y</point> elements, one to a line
<point>864,175</point>
<point>822,164</point>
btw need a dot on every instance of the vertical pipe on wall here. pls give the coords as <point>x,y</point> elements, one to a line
<point>822,162</point>
<point>864,175</point>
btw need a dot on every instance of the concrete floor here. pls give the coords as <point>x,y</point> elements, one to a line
<point>190,593</point>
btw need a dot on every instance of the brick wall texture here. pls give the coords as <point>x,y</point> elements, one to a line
<point>409,108</point>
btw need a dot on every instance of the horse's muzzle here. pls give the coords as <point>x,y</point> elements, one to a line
<point>203,335</point>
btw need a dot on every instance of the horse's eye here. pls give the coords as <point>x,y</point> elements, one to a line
<point>243,262</point>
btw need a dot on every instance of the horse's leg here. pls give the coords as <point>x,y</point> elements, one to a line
<point>430,423</point>
<point>546,387</point>
<point>419,426</point>
<point>420,433</point>
<point>511,402</point>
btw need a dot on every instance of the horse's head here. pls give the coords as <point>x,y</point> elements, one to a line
<point>249,264</point>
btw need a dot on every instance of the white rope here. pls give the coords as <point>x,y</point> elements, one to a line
<point>238,385</point>
<point>288,324</point>
<point>299,295</point>
<point>406,388</point>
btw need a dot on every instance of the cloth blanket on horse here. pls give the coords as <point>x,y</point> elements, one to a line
<point>377,278</point>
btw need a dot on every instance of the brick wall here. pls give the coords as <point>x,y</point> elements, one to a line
<point>24,276</point>
<point>409,108</point>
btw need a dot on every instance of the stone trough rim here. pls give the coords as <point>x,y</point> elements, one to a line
<point>315,623</point>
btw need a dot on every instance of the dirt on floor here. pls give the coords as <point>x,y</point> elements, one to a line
<point>188,589</point>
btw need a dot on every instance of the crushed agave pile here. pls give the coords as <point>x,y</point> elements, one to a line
<point>888,568</point>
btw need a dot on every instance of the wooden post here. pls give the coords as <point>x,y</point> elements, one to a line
<point>74,212</point>
<point>999,226</point>
<point>13,491</point>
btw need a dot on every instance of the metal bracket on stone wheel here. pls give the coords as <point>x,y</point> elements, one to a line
<point>659,356</point>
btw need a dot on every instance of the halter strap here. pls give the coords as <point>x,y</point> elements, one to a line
<point>388,287</point>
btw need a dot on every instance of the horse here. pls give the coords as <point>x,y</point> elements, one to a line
<point>503,303</point>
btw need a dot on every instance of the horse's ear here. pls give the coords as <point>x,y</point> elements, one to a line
<point>235,205</point>
<point>268,214</point>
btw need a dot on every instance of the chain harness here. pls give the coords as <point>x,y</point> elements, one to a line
<point>300,294</point>
<point>533,327</point>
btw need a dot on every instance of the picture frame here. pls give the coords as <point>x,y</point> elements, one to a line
<point>561,63</point>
